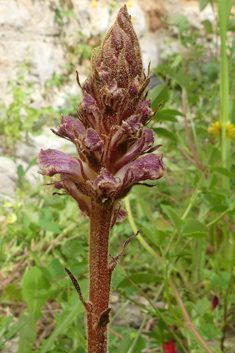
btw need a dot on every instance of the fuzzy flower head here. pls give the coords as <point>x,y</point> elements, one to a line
<point>216,127</point>
<point>114,149</point>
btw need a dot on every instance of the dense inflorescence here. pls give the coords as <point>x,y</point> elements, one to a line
<point>115,151</point>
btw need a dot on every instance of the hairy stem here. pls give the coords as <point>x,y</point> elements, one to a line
<point>99,278</point>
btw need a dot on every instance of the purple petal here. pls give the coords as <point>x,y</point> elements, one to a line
<point>89,102</point>
<point>147,167</point>
<point>145,112</point>
<point>117,38</point>
<point>70,128</point>
<point>135,85</point>
<point>105,184</point>
<point>132,126</point>
<point>55,162</point>
<point>148,140</point>
<point>92,141</point>
<point>136,149</point>
<point>89,112</point>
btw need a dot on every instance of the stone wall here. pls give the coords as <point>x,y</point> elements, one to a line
<point>28,25</point>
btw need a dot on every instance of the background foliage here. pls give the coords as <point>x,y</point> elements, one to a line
<point>187,220</point>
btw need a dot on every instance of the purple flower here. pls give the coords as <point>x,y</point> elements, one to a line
<point>115,151</point>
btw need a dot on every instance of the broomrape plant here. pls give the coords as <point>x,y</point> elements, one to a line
<point>115,152</point>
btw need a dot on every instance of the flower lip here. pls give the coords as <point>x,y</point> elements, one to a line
<point>55,162</point>
<point>147,167</point>
<point>69,128</point>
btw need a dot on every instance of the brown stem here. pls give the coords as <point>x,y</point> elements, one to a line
<point>99,277</point>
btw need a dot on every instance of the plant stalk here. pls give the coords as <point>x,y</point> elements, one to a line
<point>99,278</point>
<point>224,8</point>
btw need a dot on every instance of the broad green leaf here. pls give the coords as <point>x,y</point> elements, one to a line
<point>223,171</point>
<point>158,94</point>
<point>125,342</point>
<point>35,288</point>
<point>165,133</point>
<point>215,155</point>
<point>32,215</point>
<point>139,345</point>
<point>202,306</point>
<point>181,22</point>
<point>170,212</point>
<point>212,70</point>
<point>173,112</point>
<point>146,208</point>
<point>194,226</point>
<point>178,74</point>
<point>210,331</point>
<point>12,293</point>
<point>203,4</point>
<point>72,249</point>
<point>50,226</point>
<point>165,117</point>
<point>208,26</point>
<point>219,208</point>
<point>56,268</point>
<point>140,278</point>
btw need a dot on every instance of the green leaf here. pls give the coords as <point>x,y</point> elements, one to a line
<point>12,293</point>
<point>31,163</point>
<point>203,4</point>
<point>231,24</point>
<point>215,155</point>
<point>212,71</point>
<point>198,235</point>
<point>140,278</point>
<point>139,345</point>
<point>56,268</point>
<point>165,133</point>
<point>164,117</point>
<point>194,226</point>
<point>49,226</point>
<point>208,26</point>
<point>170,212</point>
<point>118,275</point>
<point>158,94</point>
<point>35,288</point>
<point>178,74</point>
<point>181,22</point>
<point>27,330</point>
<point>173,112</point>
<point>32,215</point>
<point>72,249</point>
<point>62,323</point>
<point>210,331</point>
<point>223,171</point>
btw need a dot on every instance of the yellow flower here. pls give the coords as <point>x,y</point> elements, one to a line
<point>94,3</point>
<point>216,128</point>
<point>129,4</point>
<point>230,131</point>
